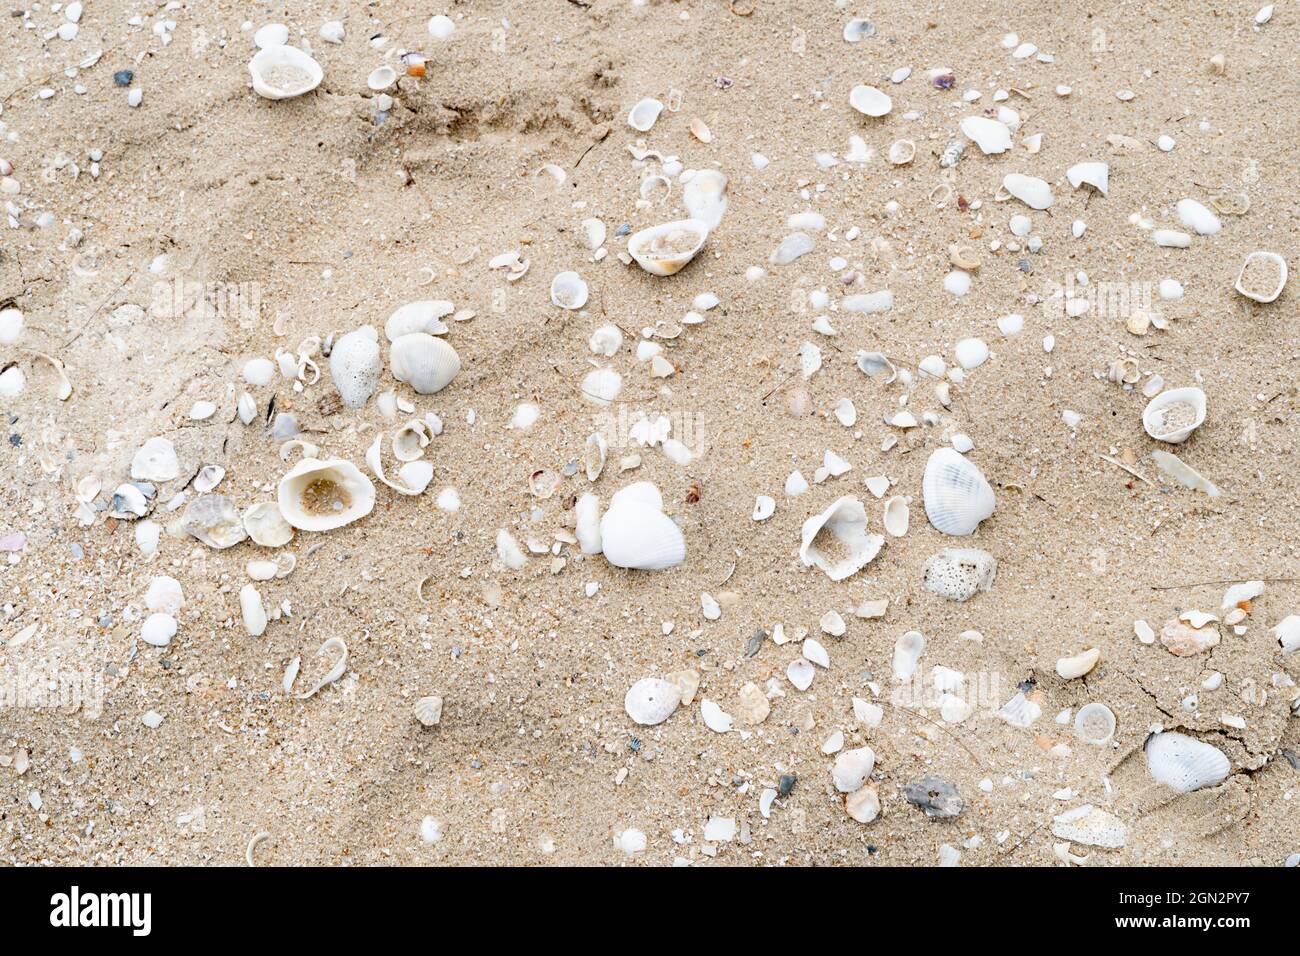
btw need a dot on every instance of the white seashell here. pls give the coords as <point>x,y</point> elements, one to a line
<point>812,648</point>
<point>902,152</point>
<point>1287,633</point>
<point>1020,711</point>
<point>252,611</point>
<point>971,353</point>
<point>246,409</point>
<point>651,701</point>
<point>381,78</point>
<point>273,34</point>
<point>764,507</point>
<point>642,116</point>
<point>875,364</point>
<point>606,340</point>
<point>846,412</point>
<point>800,673</point>
<point>594,453</point>
<point>896,516</point>
<point>12,382</point>
<point>410,440</point>
<point>214,521</point>
<point>508,550</point>
<point>355,364</point>
<point>1183,473</point>
<point>158,630</point>
<point>1185,763</point>
<point>423,316</point>
<point>262,570</point>
<point>164,594</point>
<point>907,652</point>
<point>412,477</point>
<point>282,72</point>
<point>1033,192</point>
<point>1091,827</point>
<point>428,710</point>
<point>155,461</point>
<point>1259,262</point>
<point>1171,239</point>
<point>587,523</point>
<point>856,31</point>
<point>958,574</point>
<point>317,495</point>
<point>869,303</point>
<point>957,496</point>
<point>852,769</point>
<point>831,623</point>
<point>810,359</point>
<point>441,27</point>
<point>715,718</point>
<point>870,101</point>
<point>1095,724</point>
<point>128,502</point>
<point>147,536</point>
<point>990,135</point>
<point>1068,668</point>
<point>705,197</point>
<point>863,805</point>
<point>791,248</point>
<point>209,477</point>
<point>11,326</point>
<point>837,542</point>
<point>425,363</point>
<point>568,291</point>
<point>664,249</point>
<point>1197,217</point>
<point>1096,175</point>
<point>636,535</point>
<point>334,673</point>
<point>1153,415</point>
<point>594,230</point>
<point>266,525</point>
<point>602,385</point>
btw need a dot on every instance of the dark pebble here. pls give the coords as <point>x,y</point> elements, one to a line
<point>786,784</point>
<point>936,796</point>
<point>123,77</point>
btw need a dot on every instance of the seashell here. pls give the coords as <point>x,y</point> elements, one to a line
<point>568,291</point>
<point>1020,711</point>
<point>1091,827</point>
<point>715,718</point>
<point>335,672</point>
<point>1068,668</point>
<point>425,363</point>
<point>957,496</point>
<point>252,611</point>
<point>355,365</point>
<point>902,152</point>
<point>266,525</point>
<point>705,197</point>
<point>1183,473</point>
<point>846,413</point>
<point>246,408</point>
<point>651,701</point>
<point>261,570</point>
<point>665,249</point>
<point>594,453</point>
<point>155,461</point>
<point>971,353</point>
<point>214,521</point>
<point>852,769</point>
<point>1172,416</point>
<point>764,507</point>
<point>606,340</point>
<point>831,623</point>
<point>791,248</point>
<point>209,477</point>
<point>1096,175</point>
<point>1033,192</point>
<point>1262,276</point>
<point>412,477</point>
<point>423,316</point>
<point>870,101</point>
<point>316,495</point>
<point>381,78</point>
<point>856,31</point>
<point>907,652</point>
<point>1239,596</point>
<point>936,796</point>
<point>800,673</point>
<point>587,523</point>
<point>875,364</point>
<point>128,503</point>
<point>837,542</point>
<point>508,550</point>
<point>158,630</point>
<point>1171,239</point>
<point>642,116</point>
<point>958,574</point>
<point>428,710</point>
<point>863,805</point>
<point>1287,633</point>
<point>12,382</point>
<point>410,440</point>
<point>164,594</point>
<point>1095,724</point>
<point>990,135</point>
<point>896,516</point>
<point>11,326</point>
<point>700,130</point>
<point>283,72</point>
<point>602,385</point>
<point>964,257</point>
<point>1184,640</point>
<point>594,231</point>
<point>637,535</point>
<point>1185,763</point>
<point>869,303</point>
<point>1197,217</point>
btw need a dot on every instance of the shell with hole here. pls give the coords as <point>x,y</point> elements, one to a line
<point>957,495</point>
<point>652,700</point>
<point>1185,763</point>
<point>1262,276</point>
<point>425,363</point>
<point>283,72</point>
<point>665,249</point>
<point>836,541</point>
<point>317,495</point>
<point>1172,416</point>
<point>958,574</point>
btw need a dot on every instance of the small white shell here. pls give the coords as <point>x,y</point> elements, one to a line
<point>870,101</point>
<point>1068,668</point>
<point>1197,217</point>
<point>844,523</point>
<point>705,197</point>
<point>425,363</point>
<point>764,507</point>
<point>1287,633</point>
<point>594,453</point>
<point>664,249</point>
<point>852,769</point>
<point>957,496</point>
<point>652,700</point>
<point>594,231</point>
<point>1096,175</point>
<point>988,134</point>
<point>1091,827</point>
<point>642,116</point>
<point>568,291</point>
<point>1151,415</point>
<point>586,515</point>
<point>335,672</point>
<point>1020,711</point>
<point>266,525</point>
<point>381,78</point>
<point>1033,192</point>
<point>1185,763</point>
<point>907,652</point>
<point>155,461</point>
<point>800,673</point>
<point>410,440</point>
<point>896,516</point>
<point>1095,724</point>
<point>428,710</point>
<point>958,574</point>
<point>1262,295</point>
<point>355,364</point>
<point>319,495</point>
<point>423,316</point>
<point>902,152</point>
<point>252,611</point>
<point>213,520</point>
<point>282,72</point>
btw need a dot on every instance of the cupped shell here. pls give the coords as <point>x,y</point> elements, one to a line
<point>568,291</point>
<point>1155,415</point>
<point>317,495</point>
<point>638,536</point>
<point>282,72</point>
<point>957,496</point>
<point>836,541</point>
<point>870,101</point>
<point>664,249</point>
<point>425,363</point>
<point>1185,763</point>
<point>214,521</point>
<point>266,525</point>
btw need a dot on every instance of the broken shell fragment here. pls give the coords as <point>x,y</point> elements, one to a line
<point>651,701</point>
<point>907,652</point>
<point>1185,763</point>
<point>1033,192</point>
<point>642,116</point>
<point>317,495</point>
<point>1262,276</point>
<point>1091,826</point>
<point>252,611</point>
<point>1096,175</point>
<point>936,796</point>
<point>1068,668</point>
<point>958,574</point>
<point>425,315</point>
<point>901,152</point>
<point>896,516</point>
<point>155,461</point>
<point>214,521</point>
<point>1183,640</point>
<point>266,525</point>
<point>852,769</point>
<point>837,542</point>
<point>705,197</point>
<point>1095,724</point>
<point>990,135</point>
<point>665,249</point>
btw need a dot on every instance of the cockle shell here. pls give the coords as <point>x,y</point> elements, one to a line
<point>957,496</point>
<point>425,363</point>
<point>1033,192</point>
<point>423,316</point>
<point>958,574</point>
<point>705,197</point>
<point>636,534</point>
<point>155,461</point>
<point>270,67</point>
<point>428,710</point>
<point>664,249</point>
<point>870,101</point>
<point>989,135</point>
<point>907,652</point>
<point>837,542</point>
<point>642,116</point>
<point>852,769</point>
<point>355,364</point>
<point>652,700</point>
<point>266,525</point>
<point>1151,414</point>
<point>1185,763</point>
<point>568,291</point>
<point>317,495</point>
<point>214,521</point>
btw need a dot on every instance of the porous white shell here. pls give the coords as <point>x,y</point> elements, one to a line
<point>266,525</point>
<point>846,522</point>
<point>957,496</point>
<point>423,316</point>
<point>425,363</point>
<point>647,246</point>
<point>853,768</point>
<point>989,135</point>
<point>1096,175</point>
<point>642,116</point>
<point>352,494</point>
<point>155,461</point>
<point>1185,763</point>
<point>870,101</point>
<point>1281,282</point>
<point>637,535</point>
<point>355,364</point>
<point>652,700</point>
<point>1091,826</point>
<point>958,574</point>
<point>1150,415</point>
<point>1095,724</point>
<point>278,57</point>
<point>907,652</point>
<point>705,197</point>
<point>1033,192</point>
<point>568,291</point>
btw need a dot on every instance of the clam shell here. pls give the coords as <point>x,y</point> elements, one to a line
<point>423,316</point>
<point>852,769</point>
<point>705,197</point>
<point>651,701</point>
<point>155,461</point>
<point>1095,724</point>
<point>1262,295</point>
<point>902,152</point>
<point>642,116</point>
<point>635,535</point>
<point>836,541</point>
<point>381,78</point>
<point>1185,763</point>
<point>907,652</point>
<point>958,574</point>
<point>957,496</point>
<point>317,495</point>
<point>896,516</point>
<point>266,525</point>
<point>214,521</point>
<point>277,59</point>
<point>1151,414</point>
<point>425,363</point>
<point>664,249</point>
<point>1096,175</point>
<point>1091,827</point>
<point>568,291</point>
<point>410,440</point>
<point>1033,192</point>
<point>355,364</point>
<point>870,101</point>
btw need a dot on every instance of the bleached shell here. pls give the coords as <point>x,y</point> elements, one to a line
<point>989,135</point>
<point>855,31</point>
<point>1020,711</point>
<point>355,364</point>
<point>863,804</point>
<point>957,496</point>
<point>1254,293</point>
<point>252,611</point>
<point>164,594</point>
<point>1068,668</point>
<point>11,326</point>
<point>870,101</point>
<point>876,364</point>
<point>425,363</point>
<point>846,522</point>
<point>423,316</point>
<point>764,507</point>
<point>1095,724</point>
<point>1183,640</point>
<point>1197,217</point>
<point>158,629</point>
<point>341,494</point>
<point>852,769</point>
<point>651,701</point>
<point>1151,414</point>
<point>508,550</point>
<point>642,116</point>
<point>896,516</point>
<point>1033,192</point>
<point>209,477</point>
<point>412,477</point>
<point>902,152</point>
<point>907,652</point>
<point>266,525</point>
<point>1185,763</point>
<point>1184,474</point>
<point>214,521</point>
<point>594,453</point>
<point>602,385</point>
<point>1091,826</point>
<point>791,248</point>
<point>155,461</point>
<point>958,574</point>
<point>639,492</point>
<point>409,441</point>
<point>1287,633</point>
<point>634,535</point>
<point>594,231</point>
<point>568,291</point>
<point>869,303</point>
<point>1171,239</point>
<point>586,513</point>
<point>605,340</point>
<point>1096,175</point>
<point>715,718</point>
<point>279,57</point>
<point>684,238</point>
<point>428,710</point>
<point>800,673</point>
<point>705,197</point>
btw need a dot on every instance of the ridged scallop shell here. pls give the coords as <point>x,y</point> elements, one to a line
<point>1151,414</point>
<point>274,58</point>
<point>266,525</point>
<point>651,701</point>
<point>355,364</point>
<point>664,249</point>
<point>635,535</point>
<point>425,363</point>
<point>319,495</point>
<point>957,496</point>
<point>1185,763</point>
<point>836,541</point>
<point>423,316</point>
<point>428,710</point>
<point>705,197</point>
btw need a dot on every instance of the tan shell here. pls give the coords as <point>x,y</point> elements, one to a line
<point>428,710</point>
<point>964,257</point>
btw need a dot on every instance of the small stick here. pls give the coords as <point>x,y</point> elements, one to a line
<point>1120,464</point>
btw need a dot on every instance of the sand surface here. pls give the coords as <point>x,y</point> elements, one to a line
<point>327,220</point>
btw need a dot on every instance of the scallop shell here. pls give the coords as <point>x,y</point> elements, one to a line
<point>651,701</point>
<point>705,197</point>
<point>1095,724</point>
<point>355,364</point>
<point>870,101</point>
<point>214,521</point>
<point>957,496</point>
<point>568,291</point>
<point>266,525</point>
<point>428,710</point>
<point>317,495</point>
<point>423,316</point>
<point>274,58</point>
<point>664,249</point>
<point>907,652</point>
<point>837,542</point>
<point>642,116</point>
<point>1185,763</point>
<point>1256,294</point>
<point>638,536</point>
<point>896,516</point>
<point>958,574</point>
<point>1151,414</point>
<point>425,363</point>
